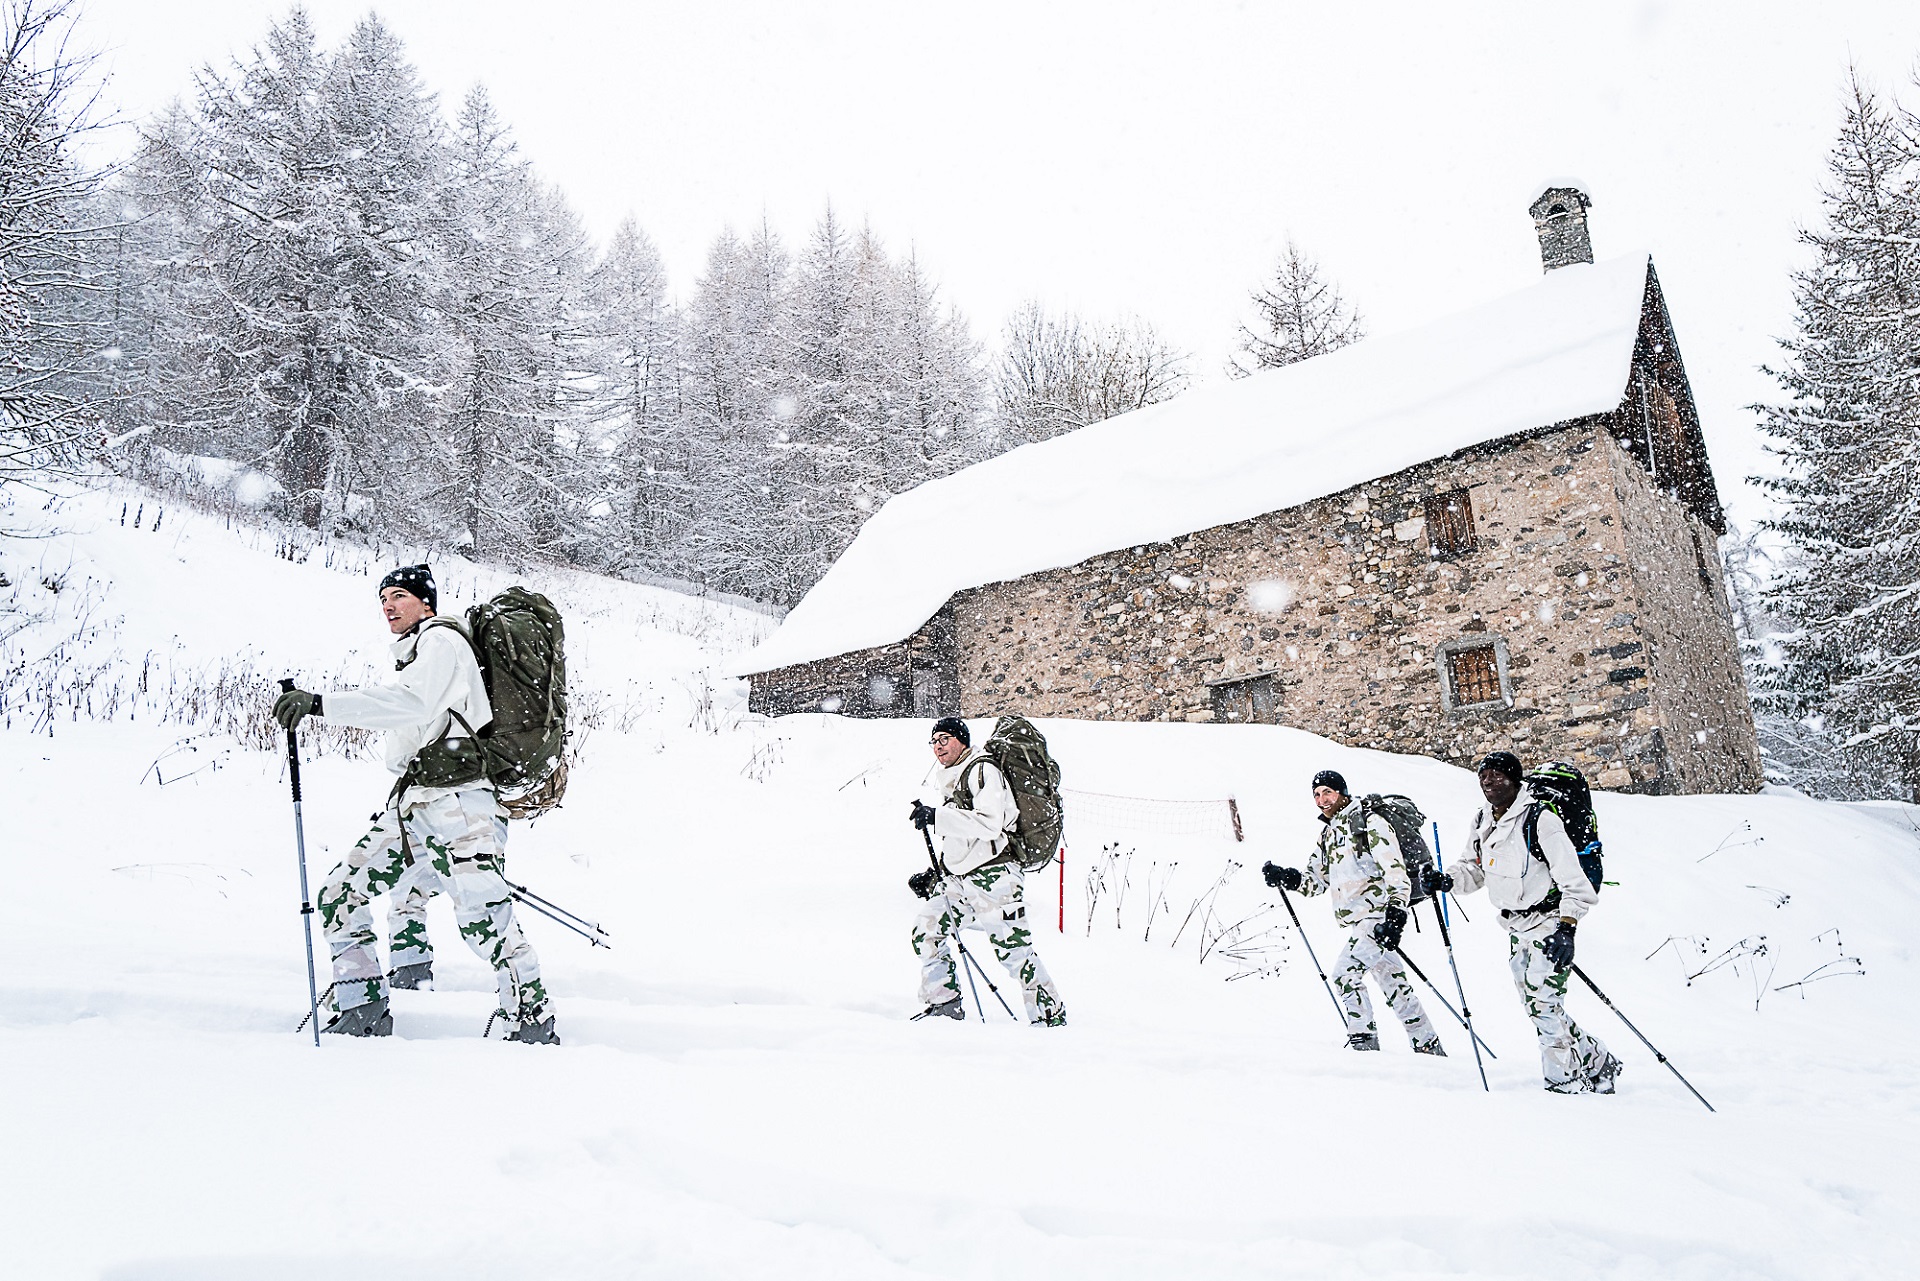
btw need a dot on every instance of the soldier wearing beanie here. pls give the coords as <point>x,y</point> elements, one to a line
<point>974,883</point>
<point>443,829</point>
<point>1518,848</point>
<point>1357,862</point>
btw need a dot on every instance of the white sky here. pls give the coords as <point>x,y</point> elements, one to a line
<point>1122,156</point>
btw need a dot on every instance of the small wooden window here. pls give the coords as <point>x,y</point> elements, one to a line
<point>1247,700</point>
<point>1450,522</point>
<point>1475,676</point>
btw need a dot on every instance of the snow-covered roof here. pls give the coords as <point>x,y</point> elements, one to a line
<point>1557,350</point>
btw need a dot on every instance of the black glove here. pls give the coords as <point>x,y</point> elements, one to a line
<point>295,706</point>
<point>922,883</point>
<point>1281,878</point>
<point>923,816</point>
<point>1436,881</point>
<point>1559,946</point>
<point>1387,933</point>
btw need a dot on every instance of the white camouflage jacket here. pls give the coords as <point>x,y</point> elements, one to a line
<point>437,676</point>
<point>1496,855</point>
<point>1362,883</point>
<point>970,839</point>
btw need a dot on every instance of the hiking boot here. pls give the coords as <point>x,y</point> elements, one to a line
<point>370,1019</point>
<point>1432,1047</point>
<point>534,1031</point>
<point>1057,1018</point>
<point>1364,1041</point>
<point>1601,1082</point>
<point>415,977</point>
<point>951,1009</point>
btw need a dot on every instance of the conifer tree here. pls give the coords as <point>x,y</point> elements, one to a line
<point>50,241</point>
<point>1848,435</point>
<point>1298,314</point>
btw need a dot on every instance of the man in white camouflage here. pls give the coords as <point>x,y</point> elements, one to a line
<point>1541,898</point>
<point>1361,868</point>
<point>976,885</point>
<point>449,837</point>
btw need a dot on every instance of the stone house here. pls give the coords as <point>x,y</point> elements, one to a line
<point>1496,531</point>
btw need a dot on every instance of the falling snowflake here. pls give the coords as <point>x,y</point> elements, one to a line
<point>1270,596</point>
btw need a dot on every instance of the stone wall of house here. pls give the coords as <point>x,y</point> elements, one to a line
<point>1346,611</point>
<point>1706,729</point>
<point>913,677</point>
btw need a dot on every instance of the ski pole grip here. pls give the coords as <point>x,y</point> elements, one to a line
<point>293,746</point>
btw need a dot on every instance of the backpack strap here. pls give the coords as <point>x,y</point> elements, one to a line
<point>1530,831</point>
<point>401,665</point>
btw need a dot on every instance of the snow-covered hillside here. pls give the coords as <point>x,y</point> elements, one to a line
<point>740,1093</point>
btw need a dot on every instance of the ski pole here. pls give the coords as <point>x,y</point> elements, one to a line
<point>970,983</point>
<point>982,971</point>
<point>1643,1040</point>
<point>521,890</point>
<point>1337,1007</point>
<point>300,846</point>
<point>527,902</point>
<point>1440,914</point>
<point>966,957</point>
<point>1449,1006</point>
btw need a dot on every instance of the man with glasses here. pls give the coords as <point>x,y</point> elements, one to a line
<point>974,884</point>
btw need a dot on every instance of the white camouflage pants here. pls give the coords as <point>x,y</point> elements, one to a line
<point>1568,1055</point>
<point>1362,956</point>
<point>454,842</point>
<point>990,899</point>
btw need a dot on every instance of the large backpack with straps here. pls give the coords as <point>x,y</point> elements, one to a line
<point>1409,829</point>
<point>1562,788</point>
<point>519,641</point>
<point>1033,776</point>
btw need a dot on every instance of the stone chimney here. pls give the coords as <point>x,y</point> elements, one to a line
<point>1560,216</point>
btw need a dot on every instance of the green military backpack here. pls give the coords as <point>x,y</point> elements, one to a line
<point>520,643</point>
<point>1033,776</point>
<point>1409,829</point>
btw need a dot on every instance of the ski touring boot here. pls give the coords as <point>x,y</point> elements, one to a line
<point>1053,1018</point>
<point>949,1009</point>
<point>415,977</point>
<point>1432,1047</point>
<point>533,1028</point>
<point>370,1019</point>
<point>1601,1082</point>
<point>1363,1041</point>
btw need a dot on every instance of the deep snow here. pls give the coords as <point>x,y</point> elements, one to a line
<point>740,1094</point>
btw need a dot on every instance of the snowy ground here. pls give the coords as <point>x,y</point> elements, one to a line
<point>740,1094</point>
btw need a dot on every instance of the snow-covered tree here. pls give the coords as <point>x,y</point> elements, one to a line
<point>1848,436</point>
<point>1297,314</point>
<point>650,468</point>
<point>1059,373</point>
<point>302,299</point>
<point>52,347</point>
<point>513,267</point>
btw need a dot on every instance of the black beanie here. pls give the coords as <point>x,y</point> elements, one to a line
<point>1330,778</point>
<point>955,726</point>
<point>1502,763</point>
<point>416,580</point>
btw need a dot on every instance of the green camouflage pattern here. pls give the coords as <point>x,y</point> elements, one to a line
<point>1363,879</point>
<point>992,899</point>
<point>1569,1056</point>
<point>458,837</point>
<point>407,940</point>
<point>1360,957</point>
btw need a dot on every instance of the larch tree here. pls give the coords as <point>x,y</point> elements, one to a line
<point>1848,437</point>
<point>1297,314</point>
